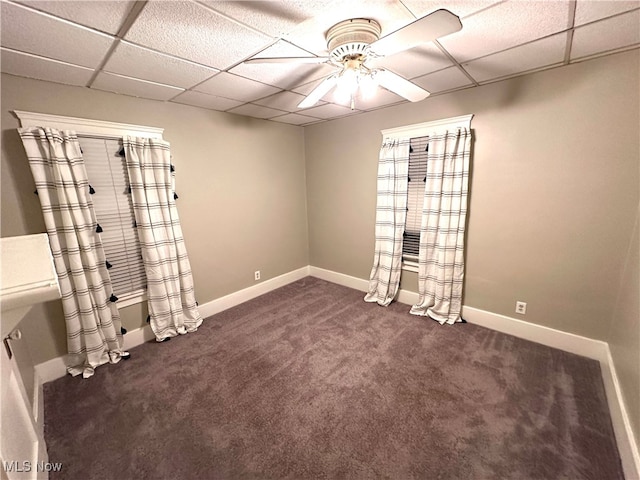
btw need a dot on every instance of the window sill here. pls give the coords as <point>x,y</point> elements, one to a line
<point>132,298</point>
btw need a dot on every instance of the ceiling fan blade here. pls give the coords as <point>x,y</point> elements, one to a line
<point>287,60</point>
<point>435,25</point>
<point>400,86</point>
<point>320,91</point>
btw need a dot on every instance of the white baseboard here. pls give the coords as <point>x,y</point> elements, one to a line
<point>627,446</point>
<point>236,298</point>
<point>339,278</point>
<point>569,342</point>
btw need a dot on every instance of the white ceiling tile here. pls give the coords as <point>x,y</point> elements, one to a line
<point>283,75</point>
<point>610,34</point>
<point>34,32</point>
<point>257,111</point>
<point>134,87</point>
<point>415,62</point>
<point>106,16</point>
<point>189,30</point>
<point>138,62</point>
<point>461,8</point>
<point>533,55</point>
<point>310,35</point>
<point>591,10</point>
<point>306,88</point>
<point>183,44</point>
<point>287,101</point>
<point>198,99</point>
<point>506,25</point>
<point>444,80</point>
<point>237,88</point>
<point>294,119</point>
<point>27,65</point>
<point>330,110</point>
<point>273,18</point>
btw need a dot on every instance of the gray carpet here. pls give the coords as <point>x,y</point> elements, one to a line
<point>311,382</point>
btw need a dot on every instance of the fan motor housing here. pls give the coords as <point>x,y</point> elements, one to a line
<point>350,38</point>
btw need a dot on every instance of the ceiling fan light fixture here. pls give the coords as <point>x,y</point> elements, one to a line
<point>355,79</point>
<point>351,37</point>
<point>353,41</point>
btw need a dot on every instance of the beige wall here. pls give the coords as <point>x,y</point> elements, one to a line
<point>553,194</point>
<point>241,183</point>
<point>553,199</point>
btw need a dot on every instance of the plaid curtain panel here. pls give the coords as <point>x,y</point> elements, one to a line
<point>391,213</point>
<point>441,252</point>
<point>93,323</point>
<point>172,304</point>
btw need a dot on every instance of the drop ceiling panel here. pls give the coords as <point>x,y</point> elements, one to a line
<point>461,8</point>
<point>448,79</point>
<point>506,25</point>
<point>330,110</point>
<point>283,75</point>
<point>256,111</point>
<point>273,18</point>
<point>590,10</point>
<point>31,66</point>
<point>306,88</point>
<point>191,31</point>
<point>198,99</point>
<point>295,119</point>
<point>236,88</point>
<point>415,62</point>
<point>541,53</point>
<point>34,32</point>
<point>134,87</point>
<point>611,34</point>
<point>287,101</point>
<point>199,46</point>
<point>139,62</point>
<point>106,16</point>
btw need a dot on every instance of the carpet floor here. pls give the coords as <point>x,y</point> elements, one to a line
<point>311,382</point>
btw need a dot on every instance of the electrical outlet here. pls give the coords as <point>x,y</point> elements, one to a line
<point>257,275</point>
<point>521,308</point>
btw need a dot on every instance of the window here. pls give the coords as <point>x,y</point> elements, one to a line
<point>100,142</point>
<point>107,173</point>
<point>419,139</point>
<point>418,151</point>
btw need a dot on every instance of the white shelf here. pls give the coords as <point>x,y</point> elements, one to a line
<point>27,277</point>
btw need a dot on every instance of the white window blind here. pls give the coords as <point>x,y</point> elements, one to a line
<point>418,152</point>
<point>108,176</point>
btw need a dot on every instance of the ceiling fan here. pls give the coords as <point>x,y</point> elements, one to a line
<point>353,42</point>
